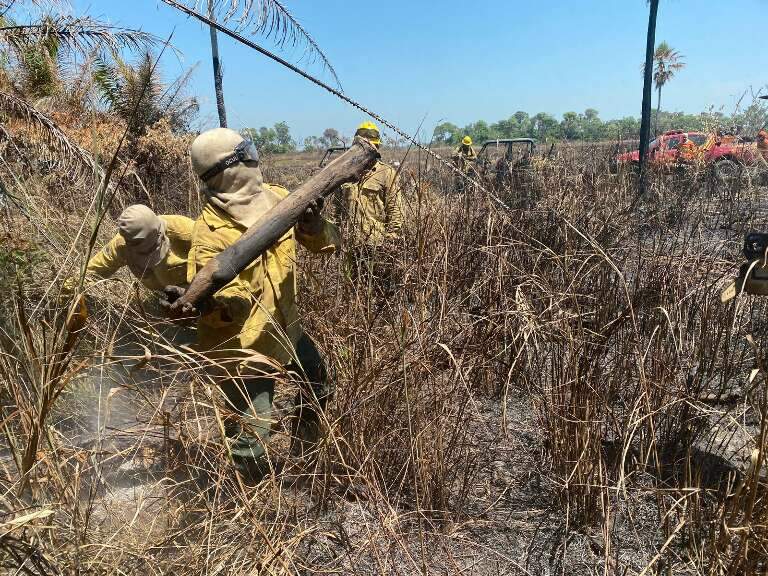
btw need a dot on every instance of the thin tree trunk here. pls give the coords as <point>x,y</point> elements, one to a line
<point>217,73</point>
<point>645,123</point>
<point>658,111</point>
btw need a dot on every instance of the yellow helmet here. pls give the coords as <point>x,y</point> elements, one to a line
<point>370,132</point>
<point>467,141</point>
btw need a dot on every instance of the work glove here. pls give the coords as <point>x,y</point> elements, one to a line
<point>172,293</point>
<point>311,222</point>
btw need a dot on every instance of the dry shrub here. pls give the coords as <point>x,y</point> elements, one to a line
<point>162,160</point>
<point>98,133</point>
<point>546,389</point>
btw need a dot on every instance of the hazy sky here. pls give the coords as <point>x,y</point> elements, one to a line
<point>466,60</point>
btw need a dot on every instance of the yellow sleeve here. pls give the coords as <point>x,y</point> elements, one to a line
<point>327,241</point>
<point>104,264</point>
<point>393,206</point>
<point>179,227</point>
<point>109,260</point>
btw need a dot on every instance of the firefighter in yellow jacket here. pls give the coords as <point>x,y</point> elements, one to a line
<point>154,248</point>
<point>373,206</point>
<point>252,326</point>
<point>762,145</point>
<point>464,156</point>
<point>688,151</point>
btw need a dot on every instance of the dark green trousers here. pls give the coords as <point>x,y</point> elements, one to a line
<point>250,395</point>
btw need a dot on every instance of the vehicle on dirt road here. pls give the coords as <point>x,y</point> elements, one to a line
<point>726,155</point>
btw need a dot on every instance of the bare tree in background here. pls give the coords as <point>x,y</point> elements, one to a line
<point>645,119</point>
<point>217,73</point>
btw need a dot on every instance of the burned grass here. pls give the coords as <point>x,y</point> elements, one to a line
<point>550,389</point>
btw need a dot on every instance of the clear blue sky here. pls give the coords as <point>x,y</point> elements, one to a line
<point>464,60</point>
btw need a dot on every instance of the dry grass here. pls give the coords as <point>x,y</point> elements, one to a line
<point>548,390</point>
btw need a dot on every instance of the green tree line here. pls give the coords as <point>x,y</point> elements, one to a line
<point>588,126</point>
<point>275,140</point>
<point>573,126</point>
<point>278,139</point>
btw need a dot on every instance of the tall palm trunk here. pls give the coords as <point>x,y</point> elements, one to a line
<point>645,122</point>
<point>658,110</point>
<point>217,74</point>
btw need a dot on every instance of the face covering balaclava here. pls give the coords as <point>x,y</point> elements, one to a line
<point>238,190</point>
<point>145,238</point>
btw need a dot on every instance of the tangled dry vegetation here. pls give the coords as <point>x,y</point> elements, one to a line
<point>553,389</point>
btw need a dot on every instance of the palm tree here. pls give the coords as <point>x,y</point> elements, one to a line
<point>667,62</point>
<point>33,56</point>
<point>268,18</point>
<point>137,94</point>
<point>645,118</point>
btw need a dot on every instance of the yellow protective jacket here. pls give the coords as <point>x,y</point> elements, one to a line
<point>464,158</point>
<point>469,154</point>
<point>762,143</point>
<point>171,270</point>
<point>257,310</point>
<point>373,205</point>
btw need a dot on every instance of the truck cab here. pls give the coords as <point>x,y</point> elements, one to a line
<point>665,149</point>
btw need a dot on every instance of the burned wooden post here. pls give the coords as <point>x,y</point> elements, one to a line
<point>645,118</point>
<point>222,269</point>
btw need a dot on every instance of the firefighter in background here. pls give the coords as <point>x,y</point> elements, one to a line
<point>372,210</point>
<point>464,156</point>
<point>688,151</point>
<point>762,144</point>
<point>373,205</point>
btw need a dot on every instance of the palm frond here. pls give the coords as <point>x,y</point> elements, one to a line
<point>106,78</point>
<point>136,93</point>
<point>667,61</point>
<point>75,35</point>
<point>54,138</point>
<point>7,5</point>
<point>77,86</point>
<point>178,107</point>
<point>271,19</point>
<point>143,86</point>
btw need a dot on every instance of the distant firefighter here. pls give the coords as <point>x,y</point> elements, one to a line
<point>688,150</point>
<point>373,205</point>
<point>464,155</point>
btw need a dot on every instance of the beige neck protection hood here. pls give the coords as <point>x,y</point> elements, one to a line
<point>146,241</point>
<point>239,190</point>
